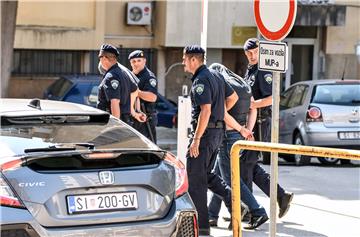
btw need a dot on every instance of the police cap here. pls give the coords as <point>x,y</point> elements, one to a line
<point>251,43</point>
<point>136,54</point>
<point>194,49</point>
<point>108,48</point>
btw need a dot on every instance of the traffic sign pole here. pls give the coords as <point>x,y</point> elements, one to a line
<point>274,155</point>
<point>274,30</point>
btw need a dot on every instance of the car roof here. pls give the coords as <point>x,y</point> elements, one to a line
<point>327,81</point>
<point>21,107</point>
<point>78,78</point>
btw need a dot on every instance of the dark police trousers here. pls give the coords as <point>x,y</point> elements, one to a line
<point>250,170</point>
<point>143,128</point>
<point>201,177</point>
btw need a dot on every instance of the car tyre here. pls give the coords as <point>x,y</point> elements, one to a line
<point>328,160</point>
<point>266,157</point>
<point>300,159</point>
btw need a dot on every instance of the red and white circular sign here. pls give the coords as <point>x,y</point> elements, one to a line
<point>275,18</point>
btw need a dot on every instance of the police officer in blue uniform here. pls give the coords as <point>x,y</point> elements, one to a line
<point>261,86</point>
<point>208,93</point>
<point>116,86</point>
<point>147,94</point>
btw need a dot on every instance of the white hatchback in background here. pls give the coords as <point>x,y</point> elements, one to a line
<point>322,113</point>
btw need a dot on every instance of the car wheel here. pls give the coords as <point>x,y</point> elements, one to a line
<point>300,159</point>
<point>288,158</point>
<point>345,162</point>
<point>266,157</point>
<point>328,160</point>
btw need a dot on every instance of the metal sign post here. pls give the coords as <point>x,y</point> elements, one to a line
<point>274,20</point>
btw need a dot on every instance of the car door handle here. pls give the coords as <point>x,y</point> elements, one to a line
<point>293,114</point>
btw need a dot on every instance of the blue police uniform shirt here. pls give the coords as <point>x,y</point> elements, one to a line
<point>208,88</point>
<point>115,85</point>
<point>260,82</point>
<point>241,108</point>
<point>148,82</point>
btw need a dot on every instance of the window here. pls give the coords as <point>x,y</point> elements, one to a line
<point>337,94</point>
<point>46,62</point>
<point>297,96</point>
<point>284,98</point>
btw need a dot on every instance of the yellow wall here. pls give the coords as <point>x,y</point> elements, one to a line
<point>342,39</point>
<point>59,14</point>
<point>118,33</point>
<point>60,25</point>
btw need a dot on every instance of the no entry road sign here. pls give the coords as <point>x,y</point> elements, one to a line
<point>275,18</point>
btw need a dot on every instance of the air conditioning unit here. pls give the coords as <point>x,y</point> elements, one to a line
<point>139,13</point>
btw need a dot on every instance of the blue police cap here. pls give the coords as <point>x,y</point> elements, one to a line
<point>109,48</point>
<point>136,54</point>
<point>251,43</point>
<point>194,49</point>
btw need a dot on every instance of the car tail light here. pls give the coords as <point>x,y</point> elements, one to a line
<point>314,114</point>
<point>7,196</point>
<point>174,120</point>
<point>182,184</point>
<point>11,165</point>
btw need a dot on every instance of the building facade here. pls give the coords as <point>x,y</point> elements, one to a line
<point>57,38</point>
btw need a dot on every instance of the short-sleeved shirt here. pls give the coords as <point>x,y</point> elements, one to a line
<point>241,108</point>
<point>148,82</point>
<point>208,87</point>
<point>260,82</point>
<point>115,85</point>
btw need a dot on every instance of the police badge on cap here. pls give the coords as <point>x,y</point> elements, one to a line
<point>251,43</point>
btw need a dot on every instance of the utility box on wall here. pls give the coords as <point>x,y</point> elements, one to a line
<point>139,13</point>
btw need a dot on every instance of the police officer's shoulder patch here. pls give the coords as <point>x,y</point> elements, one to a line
<point>199,89</point>
<point>268,78</point>
<point>108,75</point>
<point>114,84</point>
<point>152,82</point>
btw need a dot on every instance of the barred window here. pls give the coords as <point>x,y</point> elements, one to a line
<point>46,62</point>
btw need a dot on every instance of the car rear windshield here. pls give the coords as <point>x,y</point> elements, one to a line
<point>60,87</point>
<point>113,135</point>
<point>337,94</point>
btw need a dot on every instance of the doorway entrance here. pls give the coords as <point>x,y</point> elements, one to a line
<point>302,61</point>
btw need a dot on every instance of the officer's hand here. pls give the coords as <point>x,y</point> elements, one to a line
<point>194,148</point>
<point>245,132</point>
<point>250,138</point>
<point>252,103</point>
<point>142,117</point>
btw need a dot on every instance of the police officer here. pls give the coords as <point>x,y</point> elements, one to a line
<point>116,86</point>
<point>147,93</point>
<point>261,86</point>
<point>208,93</point>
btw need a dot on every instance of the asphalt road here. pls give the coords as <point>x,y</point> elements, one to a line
<point>326,203</point>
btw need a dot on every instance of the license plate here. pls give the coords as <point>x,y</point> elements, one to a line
<point>102,202</point>
<point>349,135</point>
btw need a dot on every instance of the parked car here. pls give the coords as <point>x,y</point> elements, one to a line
<point>72,170</point>
<point>321,113</point>
<point>84,90</point>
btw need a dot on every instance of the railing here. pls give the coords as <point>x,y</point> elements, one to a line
<point>277,148</point>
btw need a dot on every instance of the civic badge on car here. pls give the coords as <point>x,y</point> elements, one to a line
<point>106,177</point>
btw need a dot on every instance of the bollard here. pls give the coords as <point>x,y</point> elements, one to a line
<point>235,191</point>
